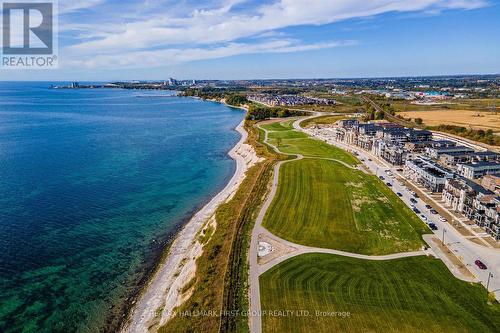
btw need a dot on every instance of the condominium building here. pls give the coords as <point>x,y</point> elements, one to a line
<point>475,202</point>
<point>427,173</point>
<point>476,170</point>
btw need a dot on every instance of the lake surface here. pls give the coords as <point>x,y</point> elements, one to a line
<point>92,184</point>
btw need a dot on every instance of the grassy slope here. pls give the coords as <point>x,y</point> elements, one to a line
<point>295,142</point>
<point>405,295</point>
<point>314,148</point>
<point>325,204</point>
<point>323,120</point>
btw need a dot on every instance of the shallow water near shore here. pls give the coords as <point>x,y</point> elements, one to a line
<point>92,183</point>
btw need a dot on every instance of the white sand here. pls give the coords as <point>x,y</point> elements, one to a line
<point>163,292</point>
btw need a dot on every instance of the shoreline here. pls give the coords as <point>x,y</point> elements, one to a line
<point>163,292</point>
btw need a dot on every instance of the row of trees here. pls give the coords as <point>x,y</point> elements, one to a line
<point>236,99</point>
<point>258,112</point>
<point>480,135</point>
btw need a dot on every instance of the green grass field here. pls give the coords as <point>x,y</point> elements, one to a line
<point>323,120</point>
<point>416,294</point>
<point>279,126</point>
<point>325,204</point>
<point>295,142</point>
<point>313,148</point>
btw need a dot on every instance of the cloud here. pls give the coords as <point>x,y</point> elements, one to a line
<point>175,30</point>
<point>157,58</point>
<point>71,6</point>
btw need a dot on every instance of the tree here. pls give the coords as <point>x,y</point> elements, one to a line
<point>419,121</point>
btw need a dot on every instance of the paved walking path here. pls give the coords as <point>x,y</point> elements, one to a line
<point>259,231</point>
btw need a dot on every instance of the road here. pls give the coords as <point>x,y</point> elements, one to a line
<point>463,248</point>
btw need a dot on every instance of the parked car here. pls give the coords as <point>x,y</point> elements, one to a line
<point>388,184</point>
<point>423,217</point>
<point>443,219</point>
<point>428,206</point>
<point>416,210</point>
<point>370,159</point>
<point>399,194</point>
<point>414,201</point>
<point>480,264</point>
<point>399,170</point>
<point>415,195</point>
<point>433,211</point>
<point>433,226</point>
<point>381,177</point>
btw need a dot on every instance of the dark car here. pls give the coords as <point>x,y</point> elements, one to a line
<point>370,159</point>
<point>433,226</point>
<point>416,210</point>
<point>480,264</point>
<point>381,177</point>
<point>428,206</point>
<point>399,194</point>
<point>413,201</point>
<point>416,195</point>
<point>388,184</point>
<point>433,211</point>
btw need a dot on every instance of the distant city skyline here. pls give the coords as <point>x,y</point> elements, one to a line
<point>239,39</point>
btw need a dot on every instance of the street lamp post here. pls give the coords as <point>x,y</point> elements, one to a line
<point>490,275</point>
<point>442,239</point>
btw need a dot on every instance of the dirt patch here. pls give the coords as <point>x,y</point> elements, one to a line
<point>357,203</point>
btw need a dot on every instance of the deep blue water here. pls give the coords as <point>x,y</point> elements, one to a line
<point>91,184</point>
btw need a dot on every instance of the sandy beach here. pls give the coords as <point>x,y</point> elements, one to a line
<point>163,292</point>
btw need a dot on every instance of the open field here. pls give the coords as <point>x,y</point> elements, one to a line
<point>465,118</point>
<point>323,203</point>
<point>461,104</point>
<point>339,108</point>
<point>295,142</point>
<point>416,294</point>
<point>323,120</point>
<point>279,126</point>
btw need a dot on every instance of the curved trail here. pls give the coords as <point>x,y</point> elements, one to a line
<point>296,249</point>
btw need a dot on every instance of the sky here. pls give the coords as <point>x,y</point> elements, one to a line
<point>105,40</point>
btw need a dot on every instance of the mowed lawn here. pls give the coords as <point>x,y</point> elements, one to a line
<point>279,126</point>
<point>415,294</point>
<point>295,142</point>
<point>323,203</point>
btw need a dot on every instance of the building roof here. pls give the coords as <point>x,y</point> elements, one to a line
<point>465,184</point>
<point>481,164</point>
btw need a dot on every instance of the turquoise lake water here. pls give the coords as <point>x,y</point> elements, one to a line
<point>92,185</point>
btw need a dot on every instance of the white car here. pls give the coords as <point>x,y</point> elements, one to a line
<point>443,219</point>
<point>423,217</point>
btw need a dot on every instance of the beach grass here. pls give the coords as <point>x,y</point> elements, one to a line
<point>323,203</point>
<point>416,294</point>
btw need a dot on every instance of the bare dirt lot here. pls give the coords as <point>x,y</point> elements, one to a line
<point>465,118</point>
